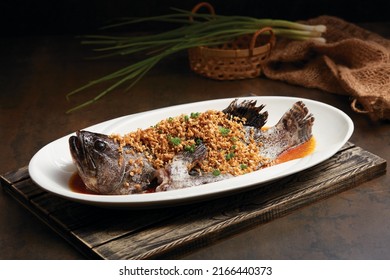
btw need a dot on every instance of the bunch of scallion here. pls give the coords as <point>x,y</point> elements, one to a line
<point>206,30</point>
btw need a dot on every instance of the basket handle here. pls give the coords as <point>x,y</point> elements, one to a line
<point>271,41</point>
<point>201,5</point>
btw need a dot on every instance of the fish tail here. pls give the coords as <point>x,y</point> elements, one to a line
<point>297,121</point>
<point>293,129</point>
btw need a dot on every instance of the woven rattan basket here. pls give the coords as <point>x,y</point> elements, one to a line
<point>239,59</point>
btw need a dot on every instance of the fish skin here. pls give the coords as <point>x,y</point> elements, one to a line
<point>105,167</point>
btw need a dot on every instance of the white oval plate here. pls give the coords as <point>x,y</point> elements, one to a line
<point>51,167</point>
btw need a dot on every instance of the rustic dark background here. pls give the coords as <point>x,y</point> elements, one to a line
<point>54,17</point>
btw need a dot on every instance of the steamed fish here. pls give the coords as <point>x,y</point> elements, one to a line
<point>188,150</point>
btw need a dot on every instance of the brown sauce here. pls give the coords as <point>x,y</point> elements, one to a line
<point>77,185</point>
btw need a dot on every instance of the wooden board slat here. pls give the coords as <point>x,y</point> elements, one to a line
<point>171,232</point>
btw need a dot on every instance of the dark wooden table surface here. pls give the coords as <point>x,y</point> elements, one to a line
<point>37,72</point>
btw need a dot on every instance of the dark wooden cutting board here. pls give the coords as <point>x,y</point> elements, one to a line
<point>102,233</point>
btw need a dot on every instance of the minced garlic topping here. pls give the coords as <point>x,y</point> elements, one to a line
<point>229,150</point>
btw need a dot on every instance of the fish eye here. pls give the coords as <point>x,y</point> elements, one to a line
<point>99,145</point>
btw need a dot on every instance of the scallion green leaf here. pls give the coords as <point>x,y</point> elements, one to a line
<point>205,30</point>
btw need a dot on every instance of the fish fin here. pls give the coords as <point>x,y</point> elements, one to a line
<point>186,160</point>
<point>197,155</point>
<point>176,175</point>
<point>247,109</point>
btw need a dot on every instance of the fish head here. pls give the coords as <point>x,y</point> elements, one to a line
<point>97,158</point>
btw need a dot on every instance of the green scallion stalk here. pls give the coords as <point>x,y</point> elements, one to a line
<point>204,30</point>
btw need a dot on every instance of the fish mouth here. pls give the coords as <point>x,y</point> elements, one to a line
<point>79,153</point>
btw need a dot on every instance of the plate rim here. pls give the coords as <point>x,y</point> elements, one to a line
<point>185,195</point>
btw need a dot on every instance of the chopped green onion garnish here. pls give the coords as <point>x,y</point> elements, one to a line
<point>229,156</point>
<point>195,115</point>
<point>224,131</point>
<point>174,140</point>
<point>216,172</point>
<point>190,149</point>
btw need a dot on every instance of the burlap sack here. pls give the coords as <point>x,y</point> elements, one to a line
<point>353,61</point>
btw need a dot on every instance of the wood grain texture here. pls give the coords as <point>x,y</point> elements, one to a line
<point>174,231</point>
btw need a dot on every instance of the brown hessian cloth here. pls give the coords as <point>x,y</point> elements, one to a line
<point>353,61</point>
